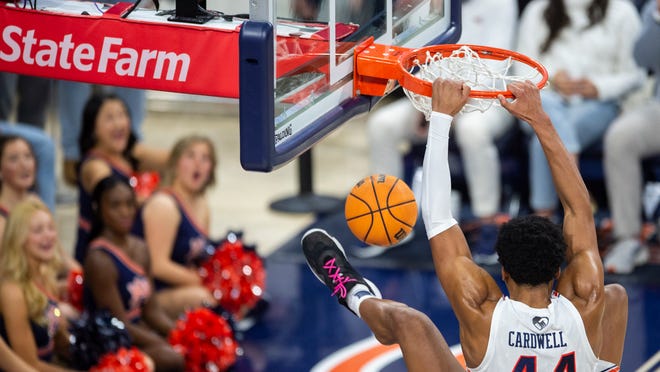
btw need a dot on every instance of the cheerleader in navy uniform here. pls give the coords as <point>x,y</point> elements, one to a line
<point>109,147</point>
<point>18,168</point>
<point>175,222</point>
<point>17,174</point>
<point>117,274</point>
<point>31,320</point>
<point>17,179</point>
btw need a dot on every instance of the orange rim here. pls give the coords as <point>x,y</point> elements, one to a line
<point>423,87</point>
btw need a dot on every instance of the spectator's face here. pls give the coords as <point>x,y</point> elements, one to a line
<point>41,241</point>
<point>17,166</point>
<point>193,170</point>
<point>118,207</point>
<point>113,126</point>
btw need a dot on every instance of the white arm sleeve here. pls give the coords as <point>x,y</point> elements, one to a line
<point>436,181</point>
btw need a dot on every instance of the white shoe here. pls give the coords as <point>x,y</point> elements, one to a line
<point>625,255</point>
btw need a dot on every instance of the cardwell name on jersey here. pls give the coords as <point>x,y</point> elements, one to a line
<point>113,57</point>
<point>527,340</point>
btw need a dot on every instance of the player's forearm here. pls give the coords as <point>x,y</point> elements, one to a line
<point>570,187</point>
<point>436,181</point>
<point>566,176</point>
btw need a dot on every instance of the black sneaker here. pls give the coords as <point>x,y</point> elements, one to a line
<point>327,260</point>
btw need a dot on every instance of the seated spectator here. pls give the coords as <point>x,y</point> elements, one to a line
<point>17,175</point>
<point>27,95</point>
<point>31,320</point>
<point>71,98</point>
<point>17,178</point>
<point>175,222</point>
<point>117,273</point>
<point>586,46</point>
<point>44,153</point>
<point>109,148</point>
<point>632,137</point>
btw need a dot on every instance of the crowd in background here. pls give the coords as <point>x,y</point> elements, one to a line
<point>598,55</point>
<point>140,254</point>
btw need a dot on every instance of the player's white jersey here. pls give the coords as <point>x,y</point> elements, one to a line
<point>525,339</point>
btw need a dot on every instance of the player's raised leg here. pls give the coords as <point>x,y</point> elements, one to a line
<point>422,345</point>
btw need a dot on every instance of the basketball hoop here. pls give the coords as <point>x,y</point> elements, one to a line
<point>486,70</point>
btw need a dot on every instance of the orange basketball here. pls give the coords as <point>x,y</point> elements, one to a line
<point>381,210</point>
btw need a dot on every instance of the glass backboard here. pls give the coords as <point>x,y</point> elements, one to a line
<point>296,66</point>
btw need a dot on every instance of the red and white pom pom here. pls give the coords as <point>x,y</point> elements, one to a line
<point>123,360</point>
<point>144,183</point>
<point>75,289</point>
<point>206,341</point>
<point>235,276</point>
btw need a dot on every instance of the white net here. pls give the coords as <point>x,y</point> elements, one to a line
<point>480,74</point>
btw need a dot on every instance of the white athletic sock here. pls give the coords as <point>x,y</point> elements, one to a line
<point>355,297</point>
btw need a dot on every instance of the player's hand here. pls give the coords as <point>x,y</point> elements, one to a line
<point>527,102</point>
<point>449,96</point>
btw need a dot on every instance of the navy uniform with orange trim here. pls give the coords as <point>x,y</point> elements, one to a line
<point>132,282</point>
<point>85,211</point>
<point>44,334</point>
<point>191,240</point>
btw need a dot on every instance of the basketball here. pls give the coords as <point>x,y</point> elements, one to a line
<point>381,210</point>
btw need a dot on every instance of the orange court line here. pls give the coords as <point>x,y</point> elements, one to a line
<point>358,361</point>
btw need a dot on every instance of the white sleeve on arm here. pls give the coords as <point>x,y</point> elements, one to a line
<point>436,181</point>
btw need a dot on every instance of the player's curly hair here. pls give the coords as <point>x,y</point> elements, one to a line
<point>531,249</point>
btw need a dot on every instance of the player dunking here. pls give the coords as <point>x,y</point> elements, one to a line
<point>579,327</point>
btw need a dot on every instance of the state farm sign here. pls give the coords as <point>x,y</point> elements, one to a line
<point>114,51</point>
<point>66,54</point>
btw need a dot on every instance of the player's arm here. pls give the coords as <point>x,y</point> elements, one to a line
<point>467,286</point>
<point>582,280</point>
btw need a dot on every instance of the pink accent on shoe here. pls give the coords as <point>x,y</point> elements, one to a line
<point>337,278</point>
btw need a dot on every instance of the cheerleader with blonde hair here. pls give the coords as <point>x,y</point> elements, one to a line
<point>30,319</point>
